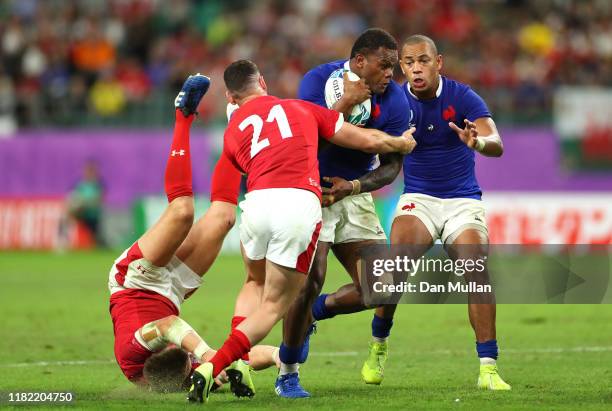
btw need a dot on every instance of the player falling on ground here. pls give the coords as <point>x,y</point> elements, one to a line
<point>274,142</point>
<point>442,199</point>
<point>150,280</point>
<point>350,223</point>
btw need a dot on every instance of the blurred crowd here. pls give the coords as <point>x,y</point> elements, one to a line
<point>65,61</point>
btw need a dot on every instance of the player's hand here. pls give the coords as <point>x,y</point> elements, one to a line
<point>221,379</point>
<point>468,135</point>
<point>340,188</point>
<point>410,143</point>
<point>355,92</point>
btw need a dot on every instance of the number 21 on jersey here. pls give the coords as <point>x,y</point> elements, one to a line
<point>276,114</point>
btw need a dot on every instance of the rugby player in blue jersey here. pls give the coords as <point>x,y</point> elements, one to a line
<point>442,199</point>
<point>351,221</point>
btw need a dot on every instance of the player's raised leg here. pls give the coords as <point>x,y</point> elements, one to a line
<point>472,244</point>
<point>205,239</point>
<point>161,241</point>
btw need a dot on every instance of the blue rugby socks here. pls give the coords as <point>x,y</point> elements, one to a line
<point>381,328</point>
<point>487,352</point>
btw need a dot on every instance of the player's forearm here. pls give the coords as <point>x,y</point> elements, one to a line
<point>383,175</point>
<point>370,140</point>
<point>382,143</point>
<point>490,146</point>
<point>175,330</point>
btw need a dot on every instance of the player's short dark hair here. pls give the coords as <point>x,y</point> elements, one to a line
<point>165,371</point>
<point>371,40</point>
<point>421,38</point>
<point>240,76</point>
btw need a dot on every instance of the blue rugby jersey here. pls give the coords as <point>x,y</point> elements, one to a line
<point>390,113</point>
<point>441,165</point>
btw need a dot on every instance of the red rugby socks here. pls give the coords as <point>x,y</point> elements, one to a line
<point>178,181</point>
<point>236,320</point>
<point>233,349</point>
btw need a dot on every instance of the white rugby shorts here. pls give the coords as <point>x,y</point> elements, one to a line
<point>281,225</point>
<point>445,218</point>
<point>351,219</point>
<point>175,281</point>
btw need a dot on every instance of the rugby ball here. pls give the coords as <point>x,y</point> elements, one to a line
<point>334,89</point>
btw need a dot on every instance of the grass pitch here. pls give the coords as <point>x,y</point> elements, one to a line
<point>57,336</point>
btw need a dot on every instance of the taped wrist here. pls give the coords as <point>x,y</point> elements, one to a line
<point>356,187</point>
<point>201,349</point>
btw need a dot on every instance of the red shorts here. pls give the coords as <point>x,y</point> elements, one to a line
<point>131,309</point>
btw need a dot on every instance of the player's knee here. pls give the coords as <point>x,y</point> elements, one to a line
<point>183,212</point>
<point>469,251</point>
<point>228,219</point>
<point>224,214</point>
<point>358,290</point>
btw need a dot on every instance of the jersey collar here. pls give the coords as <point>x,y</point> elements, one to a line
<point>438,91</point>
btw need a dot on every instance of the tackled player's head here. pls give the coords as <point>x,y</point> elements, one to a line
<point>168,370</point>
<point>421,64</point>
<point>373,57</point>
<point>242,79</point>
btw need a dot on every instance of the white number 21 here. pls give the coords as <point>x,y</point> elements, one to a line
<point>276,114</point>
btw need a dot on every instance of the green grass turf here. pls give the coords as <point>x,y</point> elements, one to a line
<point>54,308</point>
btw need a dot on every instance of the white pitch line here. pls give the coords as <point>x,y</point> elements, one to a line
<point>335,354</point>
<point>46,363</point>
<point>560,350</point>
<point>551,350</point>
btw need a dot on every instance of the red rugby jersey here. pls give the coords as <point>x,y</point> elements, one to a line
<point>275,142</point>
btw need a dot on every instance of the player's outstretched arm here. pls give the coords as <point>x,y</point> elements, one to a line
<point>481,135</point>
<point>371,140</point>
<point>156,335</point>
<point>161,241</point>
